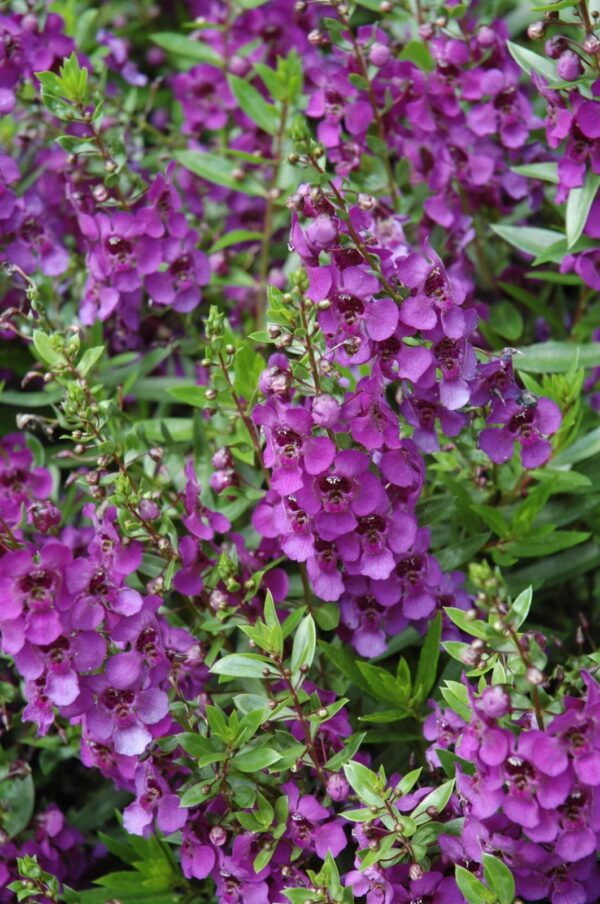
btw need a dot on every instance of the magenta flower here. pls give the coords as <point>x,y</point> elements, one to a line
<point>527,423</point>
<point>121,716</point>
<point>310,824</point>
<point>34,596</point>
<point>153,800</point>
<point>291,448</point>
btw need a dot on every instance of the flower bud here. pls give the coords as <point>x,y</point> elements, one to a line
<point>486,36</point>
<point>337,787</point>
<point>325,411</point>
<point>536,31</point>
<point>379,54</point>
<point>218,836</point>
<point>556,46</point>
<point>569,66</point>
<point>591,44</point>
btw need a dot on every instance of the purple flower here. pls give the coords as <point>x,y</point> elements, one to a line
<point>527,423</point>
<point>34,596</point>
<point>310,825</point>
<point>153,800</point>
<point>336,499</point>
<point>291,448</point>
<point>187,269</point>
<point>121,716</point>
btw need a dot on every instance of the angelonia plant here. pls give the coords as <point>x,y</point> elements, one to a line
<point>299,452</point>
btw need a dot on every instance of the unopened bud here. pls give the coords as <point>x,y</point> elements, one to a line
<point>534,676</point>
<point>536,31</point>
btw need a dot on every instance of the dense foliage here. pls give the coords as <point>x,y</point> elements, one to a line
<point>299,423</point>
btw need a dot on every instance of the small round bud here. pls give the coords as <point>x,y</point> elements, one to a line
<point>591,44</point>
<point>79,449</point>
<point>385,6</point>
<point>373,809</point>
<point>324,305</point>
<point>471,614</point>
<point>164,545</point>
<point>218,836</point>
<point>156,585</point>
<point>534,676</point>
<point>211,394</point>
<point>373,845</point>
<point>238,174</point>
<point>316,37</point>
<point>100,194</point>
<point>274,194</point>
<point>156,453</point>
<point>230,349</point>
<point>266,672</point>
<point>415,871</point>
<point>366,202</point>
<point>293,158</point>
<point>426,31</point>
<point>272,704</point>
<point>536,31</point>
<point>205,789</point>
<point>322,713</point>
<point>110,166</point>
<point>441,21</point>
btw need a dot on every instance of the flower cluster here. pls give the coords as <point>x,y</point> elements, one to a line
<point>277,284</point>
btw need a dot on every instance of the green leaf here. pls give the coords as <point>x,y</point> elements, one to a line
<point>428,659</point>
<point>418,53</point>
<point>546,172</point>
<point>494,519</point>
<point>195,396</point>
<point>304,646</point>
<point>383,685</point>
<point>16,804</point>
<point>253,104</point>
<point>195,744</point>
<point>578,207</point>
<point>533,62</point>
<point>583,447</point>
<point>557,357</point>
<point>243,665</point>
<point>450,760</point>
<point>255,759</point>
<point>364,782</point>
<point>217,169</point>
<point>188,48</point>
<point>456,554</point>
<point>89,359</point>
<point>436,799</point>
<point>235,237</point>
<point>522,605</point>
<point>548,544</point>
<point>529,239</point>
<point>506,320</point>
<point>46,351</point>
<point>473,890</point>
<point>499,878</point>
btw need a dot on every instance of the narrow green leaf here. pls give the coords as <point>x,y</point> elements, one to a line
<point>216,169</point>
<point>187,48</point>
<point>557,357</point>
<point>579,205</point>
<point>499,878</point>
<point>473,890</point>
<point>546,172</point>
<point>256,759</point>
<point>533,62</point>
<point>428,659</point>
<point>253,104</point>
<point>243,665</point>
<point>530,239</point>
<point>305,642</point>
